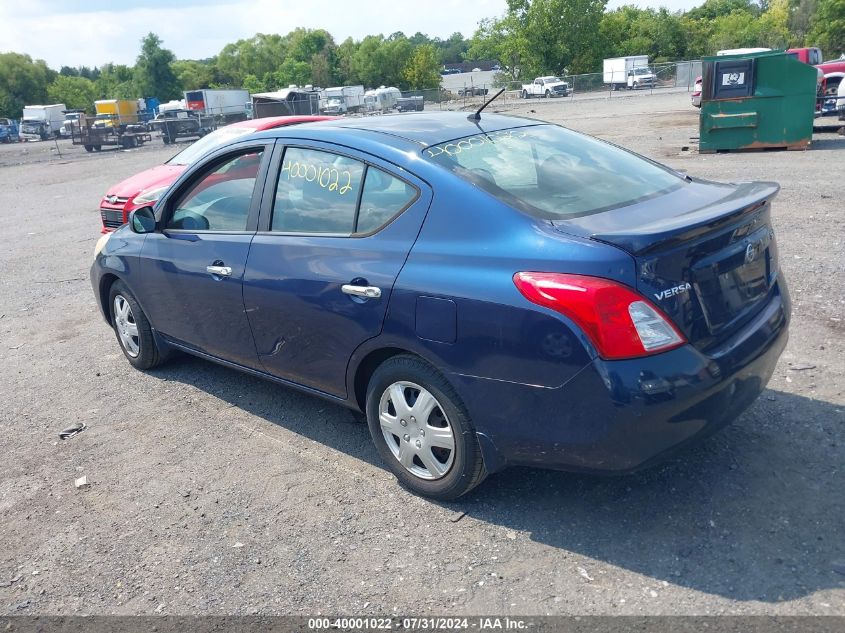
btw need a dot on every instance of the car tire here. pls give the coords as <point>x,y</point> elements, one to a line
<point>548,94</point>
<point>132,329</point>
<point>524,94</point>
<point>437,457</point>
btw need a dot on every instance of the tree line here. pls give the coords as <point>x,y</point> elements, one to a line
<point>532,37</point>
<point>536,37</point>
<point>261,63</point>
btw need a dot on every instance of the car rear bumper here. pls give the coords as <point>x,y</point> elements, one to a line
<point>618,416</point>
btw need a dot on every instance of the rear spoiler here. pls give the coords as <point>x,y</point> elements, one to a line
<point>650,227</point>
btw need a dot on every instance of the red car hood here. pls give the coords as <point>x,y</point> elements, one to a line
<point>158,176</point>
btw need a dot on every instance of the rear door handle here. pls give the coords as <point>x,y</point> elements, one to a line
<point>367,292</point>
<point>219,271</point>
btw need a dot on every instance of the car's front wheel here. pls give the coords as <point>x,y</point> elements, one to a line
<point>132,328</point>
<point>422,430</point>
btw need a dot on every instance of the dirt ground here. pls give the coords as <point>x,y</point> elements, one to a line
<point>213,492</point>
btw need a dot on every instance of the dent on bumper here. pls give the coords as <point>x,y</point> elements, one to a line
<point>618,416</point>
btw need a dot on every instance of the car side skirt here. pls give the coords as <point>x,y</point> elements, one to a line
<point>168,342</point>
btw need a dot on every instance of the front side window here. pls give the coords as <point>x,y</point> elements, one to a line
<point>221,198</point>
<point>551,172</point>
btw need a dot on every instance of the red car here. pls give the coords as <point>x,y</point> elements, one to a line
<point>695,97</point>
<point>146,187</point>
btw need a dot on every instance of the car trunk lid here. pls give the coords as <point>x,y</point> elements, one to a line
<point>705,253</point>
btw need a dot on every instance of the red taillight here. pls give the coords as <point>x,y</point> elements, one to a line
<point>619,322</point>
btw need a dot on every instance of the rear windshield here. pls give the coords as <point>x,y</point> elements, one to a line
<point>210,142</point>
<point>553,173</point>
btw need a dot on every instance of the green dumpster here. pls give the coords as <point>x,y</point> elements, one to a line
<point>756,101</point>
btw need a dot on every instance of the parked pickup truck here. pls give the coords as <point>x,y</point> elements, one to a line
<point>833,74</point>
<point>8,131</point>
<point>545,87</point>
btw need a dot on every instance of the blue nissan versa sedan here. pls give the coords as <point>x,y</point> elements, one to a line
<point>489,292</point>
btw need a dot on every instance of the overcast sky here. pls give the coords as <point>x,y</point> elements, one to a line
<point>93,32</point>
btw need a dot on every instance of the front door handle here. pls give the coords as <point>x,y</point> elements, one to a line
<point>219,271</point>
<point>366,292</point>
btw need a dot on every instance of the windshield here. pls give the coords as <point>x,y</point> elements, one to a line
<point>642,71</point>
<point>208,143</point>
<point>553,173</point>
<point>550,80</point>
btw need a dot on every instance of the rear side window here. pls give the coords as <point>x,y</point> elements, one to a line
<point>384,197</point>
<point>553,173</point>
<point>317,192</point>
<point>320,192</point>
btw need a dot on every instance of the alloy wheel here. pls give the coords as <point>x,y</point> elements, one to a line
<point>127,328</point>
<point>417,430</point>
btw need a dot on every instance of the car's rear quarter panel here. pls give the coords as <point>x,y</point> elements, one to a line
<point>467,253</point>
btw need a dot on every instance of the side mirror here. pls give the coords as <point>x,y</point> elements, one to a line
<point>142,220</point>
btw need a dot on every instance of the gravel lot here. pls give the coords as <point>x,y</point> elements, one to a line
<point>215,492</point>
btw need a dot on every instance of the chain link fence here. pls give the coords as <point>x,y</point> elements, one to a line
<point>676,76</point>
<point>472,89</point>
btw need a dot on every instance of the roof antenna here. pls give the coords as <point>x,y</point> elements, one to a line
<point>476,116</point>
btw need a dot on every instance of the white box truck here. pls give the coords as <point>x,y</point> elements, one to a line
<point>231,104</point>
<point>630,72</point>
<point>42,121</point>
<point>342,99</point>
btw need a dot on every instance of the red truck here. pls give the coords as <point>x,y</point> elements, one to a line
<point>832,72</point>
